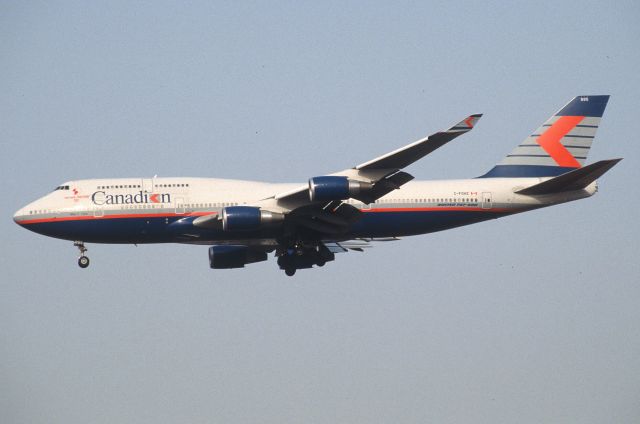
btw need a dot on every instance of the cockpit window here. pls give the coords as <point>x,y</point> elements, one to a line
<point>61,188</point>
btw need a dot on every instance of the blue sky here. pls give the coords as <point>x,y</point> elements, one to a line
<point>531,318</point>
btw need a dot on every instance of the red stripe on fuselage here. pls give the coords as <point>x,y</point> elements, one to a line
<point>115,216</point>
<point>164,215</point>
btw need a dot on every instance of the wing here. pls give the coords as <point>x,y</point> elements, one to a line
<point>314,221</point>
<point>405,156</point>
<point>379,176</point>
<point>383,173</point>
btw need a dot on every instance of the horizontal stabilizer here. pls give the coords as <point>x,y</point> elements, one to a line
<point>573,180</point>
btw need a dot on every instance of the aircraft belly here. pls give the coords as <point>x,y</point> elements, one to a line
<point>177,229</point>
<point>390,224</point>
<point>139,230</point>
<point>130,230</point>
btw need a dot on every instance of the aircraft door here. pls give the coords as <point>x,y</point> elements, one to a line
<point>147,185</point>
<point>180,207</point>
<point>486,200</point>
<point>98,212</point>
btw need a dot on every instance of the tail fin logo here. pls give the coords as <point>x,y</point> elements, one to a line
<point>559,145</point>
<point>550,141</point>
<point>469,121</point>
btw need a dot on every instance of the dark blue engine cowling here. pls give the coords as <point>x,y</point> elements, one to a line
<point>335,188</point>
<point>328,188</point>
<point>240,218</point>
<point>225,257</point>
<point>248,218</point>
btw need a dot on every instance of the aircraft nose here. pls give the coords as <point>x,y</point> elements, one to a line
<point>19,216</point>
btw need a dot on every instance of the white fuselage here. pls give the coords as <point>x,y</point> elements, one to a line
<point>157,203</point>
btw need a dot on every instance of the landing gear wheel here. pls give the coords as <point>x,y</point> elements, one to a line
<point>83,262</point>
<point>290,271</point>
<point>321,262</point>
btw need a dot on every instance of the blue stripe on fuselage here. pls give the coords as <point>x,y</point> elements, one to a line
<point>179,229</point>
<point>525,171</point>
<point>406,223</point>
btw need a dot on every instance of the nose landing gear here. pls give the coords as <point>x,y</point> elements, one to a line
<point>83,261</point>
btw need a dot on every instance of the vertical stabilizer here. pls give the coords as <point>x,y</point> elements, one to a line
<point>560,145</point>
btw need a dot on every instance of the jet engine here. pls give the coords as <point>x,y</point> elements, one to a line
<point>336,188</point>
<point>248,218</point>
<point>225,257</point>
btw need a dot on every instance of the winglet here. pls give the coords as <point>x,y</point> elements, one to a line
<point>466,124</point>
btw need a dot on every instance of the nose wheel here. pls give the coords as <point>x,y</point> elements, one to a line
<point>83,260</point>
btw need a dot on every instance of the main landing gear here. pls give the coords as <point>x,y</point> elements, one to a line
<point>83,261</point>
<point>300,256</point>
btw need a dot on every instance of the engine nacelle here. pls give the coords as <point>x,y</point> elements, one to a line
<point>248,218</point>
<point>225,257</point>
<point>336,188</point>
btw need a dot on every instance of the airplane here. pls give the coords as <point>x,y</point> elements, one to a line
<point>307,224</point>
